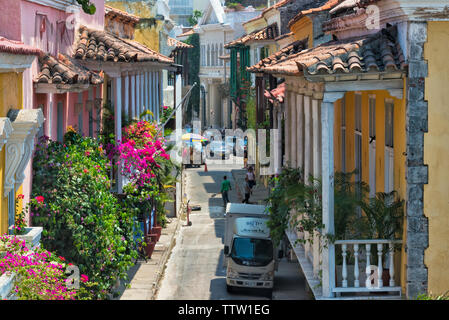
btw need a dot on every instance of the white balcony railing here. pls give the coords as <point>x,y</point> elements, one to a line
<point>363,276</point>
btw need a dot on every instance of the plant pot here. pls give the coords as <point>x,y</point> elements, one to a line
<point>6,285</point>
<point>150,244</point>
<point>32,236</point>
<point>158,231</point>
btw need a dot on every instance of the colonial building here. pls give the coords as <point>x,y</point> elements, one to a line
<point>369,98</point>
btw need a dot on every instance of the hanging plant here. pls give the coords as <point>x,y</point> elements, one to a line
<point>88,7</point>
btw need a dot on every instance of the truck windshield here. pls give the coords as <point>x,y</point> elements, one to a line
<point>252,252</point>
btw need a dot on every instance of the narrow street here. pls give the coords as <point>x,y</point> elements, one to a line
<point>195,269</point>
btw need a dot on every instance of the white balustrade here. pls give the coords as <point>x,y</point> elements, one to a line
<point>350,249</point>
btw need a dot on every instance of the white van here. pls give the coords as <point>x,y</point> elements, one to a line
<point>250,256</point>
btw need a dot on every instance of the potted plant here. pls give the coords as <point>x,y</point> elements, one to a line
<point>384,214</point>
<point>31,235</point>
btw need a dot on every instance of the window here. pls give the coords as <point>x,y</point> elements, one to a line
<point>389,146</point>
<point>343,134</point>
<point>372,145</point>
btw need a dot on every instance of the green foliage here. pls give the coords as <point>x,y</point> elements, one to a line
<point>82,220</point>
<point>251,110</point>
<point>194,18</point>
<point>297,204</point>
<point>385,214</point>
<point>193,60</point>
<point>425,296</point>
<point>88,7</point>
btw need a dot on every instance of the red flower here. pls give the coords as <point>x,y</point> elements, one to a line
<point>84,278</point>
<point>40,199</point>
<point>86,171</point>
<point>20,196</point>
<point>62,258</point>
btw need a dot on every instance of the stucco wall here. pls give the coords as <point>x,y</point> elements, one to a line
<point>436,155</point>
<point>303,29</point>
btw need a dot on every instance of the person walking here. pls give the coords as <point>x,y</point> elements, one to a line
<point>225,187</point>
<point>247,191</point>
<point>251,177</point>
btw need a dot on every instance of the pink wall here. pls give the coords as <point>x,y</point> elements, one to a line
<point>10,28</point>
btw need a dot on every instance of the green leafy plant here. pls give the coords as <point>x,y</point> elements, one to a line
<point>193,19</point>
<point>425,296</point>
<point>385,213</point>
<point>88,7</point>
<point>82,219</point>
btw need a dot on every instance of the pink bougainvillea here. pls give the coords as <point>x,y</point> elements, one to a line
<point>140,151</point>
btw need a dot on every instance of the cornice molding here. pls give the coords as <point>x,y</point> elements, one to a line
<point>57,4</point>
<point>20,145</point>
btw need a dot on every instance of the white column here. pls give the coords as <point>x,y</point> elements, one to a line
<point>158,92</point>
<point>307,138</point>
<point>133,96</point>
<point>300,131</point>
<point>137,92</point>
<point>147,93</point>
<point>153,100</point>
<point>279,143</point>
<point>126,105</point>
<point>49,115</point>
<point>327,167</point>
<point>117,82</point>
<point>316,134</point>
<point>287,129</point>
<point>142,94</point>
<point>293,136</point>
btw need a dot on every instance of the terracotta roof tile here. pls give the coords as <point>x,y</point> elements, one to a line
<point>113,12</point>
<point>172,42</point>
<point>104,46</point>
<point>380,52</point>
<point>65,70</point>
<point>186,34</point>
<point>277,94</point>
<point>17,47</point>
<point>268,33</point>
<point>327,6</point>
<point>278,57</point>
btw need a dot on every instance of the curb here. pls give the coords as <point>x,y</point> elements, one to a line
<point>163,261</point>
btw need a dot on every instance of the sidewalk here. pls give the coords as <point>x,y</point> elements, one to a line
<point>145,276</point>
<point>260,192</point>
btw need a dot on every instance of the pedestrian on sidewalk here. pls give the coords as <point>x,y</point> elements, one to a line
<point>251,177</point>
<point>225,187</point>
<point>247,191</point>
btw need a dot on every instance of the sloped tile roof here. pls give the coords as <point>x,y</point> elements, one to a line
<point>327,6</point>
<point>380,52</point>
<point>65,70</point>
<point>278,57</point>
<point>104,46</point>
<point>17,47</point>
<point>268,33</point>
<point>186,34</point>
<point>172,42</point>
<point>113,12</point>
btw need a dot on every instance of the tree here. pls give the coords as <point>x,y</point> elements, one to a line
<point>87,6</point>
<point>193,19</point>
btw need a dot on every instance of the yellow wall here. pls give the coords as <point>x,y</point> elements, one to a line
<point>148,36</point>
<point>303,29</point>
<point>399,147</point>
<point>436,155</point>
<point>10,98</point>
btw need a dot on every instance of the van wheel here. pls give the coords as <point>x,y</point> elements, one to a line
<point>229,288</point>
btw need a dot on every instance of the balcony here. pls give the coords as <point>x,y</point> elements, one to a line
<point>353,281</point>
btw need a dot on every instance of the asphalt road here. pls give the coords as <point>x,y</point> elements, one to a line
<point>195,270</point>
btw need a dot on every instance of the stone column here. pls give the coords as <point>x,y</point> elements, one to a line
<point>117,83</point>
<point>287,128</point>
<point>133,96</point>
<point>279,143</point>
<point>142,94</point>
<point>126,104</point>
<point>146,93</point>
<point>300,131</point>
<point>293,128</point>
<point>315,140</point>
<point>307,139</point>
<point>137,93</point>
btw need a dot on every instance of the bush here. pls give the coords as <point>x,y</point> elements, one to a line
<point>82,219</point>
